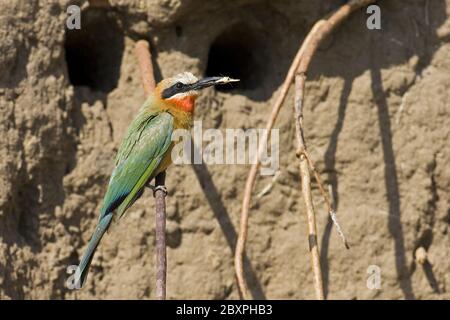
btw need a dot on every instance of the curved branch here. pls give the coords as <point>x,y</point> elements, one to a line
<point>300,64</point>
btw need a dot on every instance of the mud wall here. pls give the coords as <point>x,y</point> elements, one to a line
<point>377,121</point>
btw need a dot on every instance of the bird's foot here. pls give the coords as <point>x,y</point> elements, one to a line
<point>161,188</point>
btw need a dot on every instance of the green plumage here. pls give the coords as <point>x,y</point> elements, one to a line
<point>143,148</point>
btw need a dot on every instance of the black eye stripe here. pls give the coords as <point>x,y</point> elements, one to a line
<point>174,89</point>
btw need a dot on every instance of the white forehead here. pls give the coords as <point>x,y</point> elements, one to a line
<point>185,77</point>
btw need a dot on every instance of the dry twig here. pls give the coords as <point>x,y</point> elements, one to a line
<point>306,186</point>
<point>299,65</point>
<point>269,186</point>
<point>329,204</point>
<point>142,51</point>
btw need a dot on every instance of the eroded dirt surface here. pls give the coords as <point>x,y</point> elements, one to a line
<point>377,122</point>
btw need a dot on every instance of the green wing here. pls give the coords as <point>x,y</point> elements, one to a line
<point>139,156</point>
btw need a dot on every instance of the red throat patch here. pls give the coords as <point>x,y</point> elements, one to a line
<point>186,104</point>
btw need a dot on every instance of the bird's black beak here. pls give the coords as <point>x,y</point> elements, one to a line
<point>212,81</point>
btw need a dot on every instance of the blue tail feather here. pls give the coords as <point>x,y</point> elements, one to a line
<point>83,267</point>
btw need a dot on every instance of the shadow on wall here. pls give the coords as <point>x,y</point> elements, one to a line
<point>221,214</point>
<point>395,44</point>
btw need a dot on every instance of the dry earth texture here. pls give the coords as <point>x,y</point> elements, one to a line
<point>377,121</point>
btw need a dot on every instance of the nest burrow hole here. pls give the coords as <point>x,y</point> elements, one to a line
<point>238,53</point>
<point>94,52</point>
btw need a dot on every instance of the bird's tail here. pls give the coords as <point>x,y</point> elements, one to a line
<point>83,268</point>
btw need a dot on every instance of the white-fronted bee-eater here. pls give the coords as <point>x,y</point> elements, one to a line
<point>146,150</point>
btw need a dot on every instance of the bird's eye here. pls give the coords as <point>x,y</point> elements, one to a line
<point>179,85</point>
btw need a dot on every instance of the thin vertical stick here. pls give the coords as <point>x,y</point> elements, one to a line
<point>306,187</point>
<point>160,230</point>
<point>144,57</point>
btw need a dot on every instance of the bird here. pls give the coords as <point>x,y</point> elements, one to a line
<point>145,151</point>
